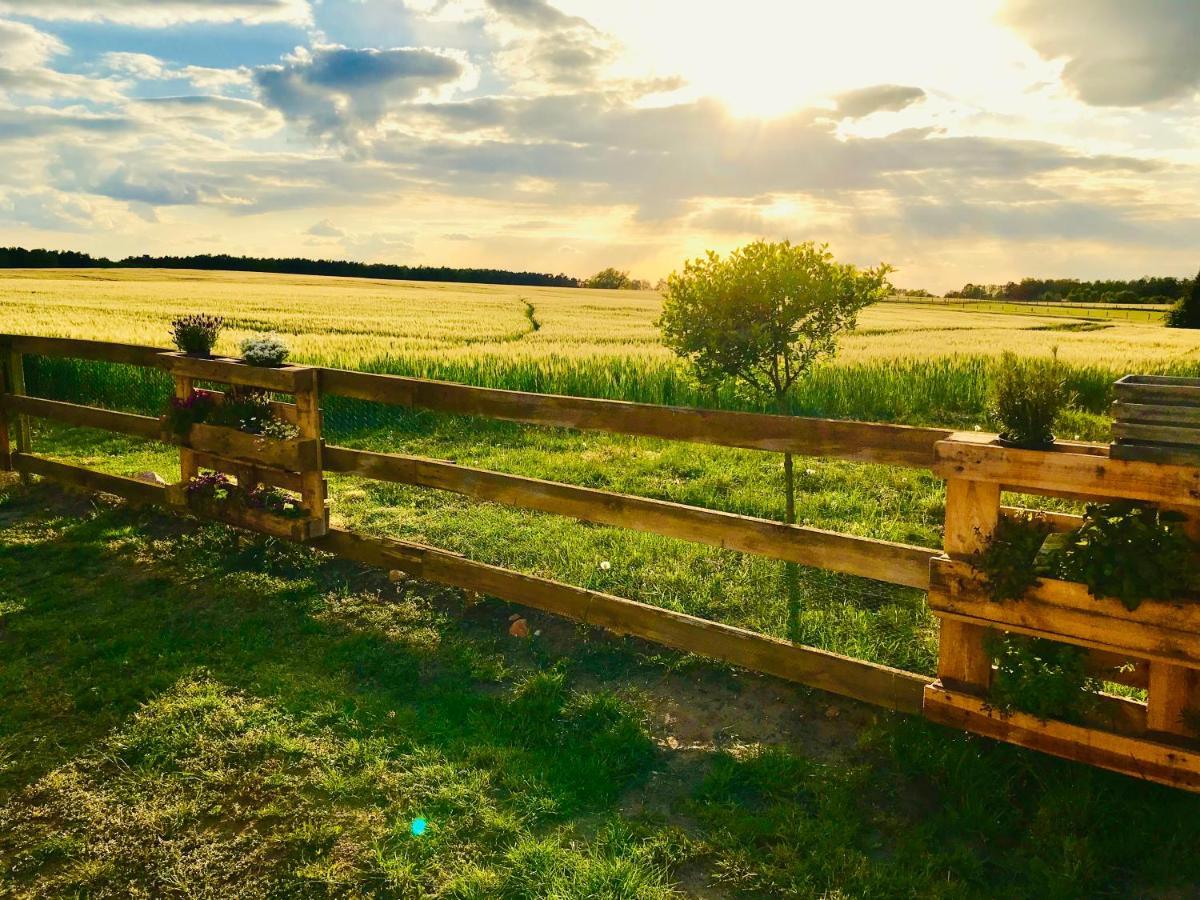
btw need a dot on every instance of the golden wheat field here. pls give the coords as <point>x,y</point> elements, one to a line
<point>349,322</point>
<point>906,363</point>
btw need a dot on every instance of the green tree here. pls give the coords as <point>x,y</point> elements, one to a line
<point>762,317</point>
<point>610,278</point>
<point>1186,313</point>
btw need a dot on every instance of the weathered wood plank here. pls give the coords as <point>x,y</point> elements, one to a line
<point>15,383</point>
<point>1065,611</point>
<point>5,440</point>
<point>1170,764</point>
<point>294,455</point>
<point>100,351</point>
<point>285,412</point>
<point>1156,413</point>
<point>972,513</point>
<point>86,416</point>
<point>76,476</point>
<point>897,445</point>
<point>280,478</point>
<point>1156,433</point>
<point>1066,472</point>
<point>894,563</point>
<point>233,371</point>
<point>1060,522</point>
<point>869,682</point>
<point>312,481</point>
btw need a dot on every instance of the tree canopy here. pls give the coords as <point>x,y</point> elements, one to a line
<point>763,315</point>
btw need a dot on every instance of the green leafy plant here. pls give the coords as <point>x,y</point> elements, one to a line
<point>265,350</point>
<point>251,411</point>
<point>1044,678</point>
<point>1027,396</point>
<point>1129,552</point>
<point>184,412</point>
<point>196,334</point>
<point>1010,558</point>
<point>1186,312</point>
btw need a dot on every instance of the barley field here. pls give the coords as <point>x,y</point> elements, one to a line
<point>912,363</point>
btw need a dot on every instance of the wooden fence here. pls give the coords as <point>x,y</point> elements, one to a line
<point>965,460</point>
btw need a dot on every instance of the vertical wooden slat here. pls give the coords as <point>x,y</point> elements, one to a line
<point>972,511</point>
<point>1173,692</point>
<point>15,378</point>
<point>308,420</point>
<point>5,443</point>
<point>188,469</point>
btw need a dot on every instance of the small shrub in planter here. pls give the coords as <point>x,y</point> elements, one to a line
<point>197,334</point>
<point>1027,397</point>
<point>184,412</point>
<point>266,351</point>
<point>210,486</point>
<point>1129,552</point>
<point>1045,678</point>
<point>1010,559</point>
<point>274,501</point>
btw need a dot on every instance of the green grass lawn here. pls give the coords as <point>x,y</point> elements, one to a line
<point>190,711</point>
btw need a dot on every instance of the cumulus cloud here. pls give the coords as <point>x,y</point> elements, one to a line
<point>878,98</point>
<point>543,46</point>
<point>340,92</point>
<point>1117,52</point>
<point>326,228</point>
<point>144,67</point>
<point>162,13</point>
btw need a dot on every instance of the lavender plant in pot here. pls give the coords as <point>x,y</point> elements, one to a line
<point>196,335</point>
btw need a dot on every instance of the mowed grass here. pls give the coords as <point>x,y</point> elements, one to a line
<point>185,711</point>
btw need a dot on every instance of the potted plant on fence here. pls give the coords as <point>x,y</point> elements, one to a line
<point>264,351</point>
<point>196,335</point>
<point>1027,397</point>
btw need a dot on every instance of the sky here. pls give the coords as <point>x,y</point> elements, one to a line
<point>958,140</point>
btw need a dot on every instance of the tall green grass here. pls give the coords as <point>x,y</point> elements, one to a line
<point>950,391</point>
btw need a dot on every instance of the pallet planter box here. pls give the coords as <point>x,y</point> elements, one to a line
<point>1156,740</point>
<point>292,464</point>
<point>1157,418</point>
<point>242,516</point>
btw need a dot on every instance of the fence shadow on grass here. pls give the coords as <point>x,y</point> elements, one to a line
<point>183,704</point>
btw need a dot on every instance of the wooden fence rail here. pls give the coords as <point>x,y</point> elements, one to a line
<point>1161,653</point>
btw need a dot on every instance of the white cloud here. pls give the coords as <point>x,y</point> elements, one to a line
<point>1117,52</point>
<point>325,228</point>
<point>163,13</point>
<point>863,102</point>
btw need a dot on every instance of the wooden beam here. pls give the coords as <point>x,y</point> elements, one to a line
<point>15,387</point>
<point>295,455</point>
<point>886,561</point>
<point>100,351</point>
<point>86,416</point>
<point>131,489</point>
<point>1065,611</point>
<point>1172,764</point>
<point>280,478</point>
<point>233,371</point>
<point>972,513</point>
<point>1067,473</point>
<point>897,445</point>
<point>869,682</point>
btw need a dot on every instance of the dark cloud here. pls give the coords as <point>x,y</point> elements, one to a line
<point>1117,52</point>
<point>880,97</point>
<point>339,91</point>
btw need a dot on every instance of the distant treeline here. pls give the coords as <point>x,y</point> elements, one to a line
<point>1164,289</point>
<point>20,258</point>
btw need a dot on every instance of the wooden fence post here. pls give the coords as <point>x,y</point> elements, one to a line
<point>15,384</point>
<point>188,468</point>
<point>972,512</point>
<point>308,420</point>
<point>5,445</point>
<point>1173,692</point>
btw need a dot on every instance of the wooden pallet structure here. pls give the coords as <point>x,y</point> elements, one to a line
<point>1159,641</point>
<point>253,460</point>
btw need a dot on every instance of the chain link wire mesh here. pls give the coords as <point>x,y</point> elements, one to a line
<point>353,422</point>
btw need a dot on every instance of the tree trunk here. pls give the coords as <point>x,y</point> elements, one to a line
<point>791,571</point>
